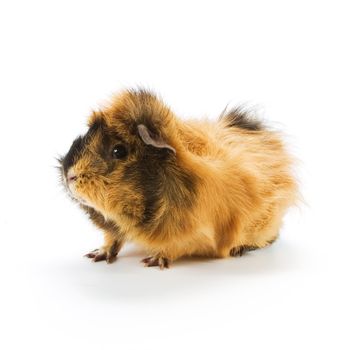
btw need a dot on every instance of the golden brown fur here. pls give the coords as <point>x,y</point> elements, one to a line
<point>224,190</point>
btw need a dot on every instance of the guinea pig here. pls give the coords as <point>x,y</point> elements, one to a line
<point>178,187</point>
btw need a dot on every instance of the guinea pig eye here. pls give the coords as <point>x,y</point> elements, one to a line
<point>119,151</point>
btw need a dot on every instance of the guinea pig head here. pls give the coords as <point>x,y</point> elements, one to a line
<point>118,166</point>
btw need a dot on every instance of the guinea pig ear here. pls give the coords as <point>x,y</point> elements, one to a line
<point>154,141</point>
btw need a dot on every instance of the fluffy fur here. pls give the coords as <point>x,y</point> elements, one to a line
<point>185,187</point>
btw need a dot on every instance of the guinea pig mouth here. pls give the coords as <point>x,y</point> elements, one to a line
<point>71,192</point>
<point>69,187</point>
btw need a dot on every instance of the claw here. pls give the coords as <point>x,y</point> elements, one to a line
<point>100,257</point>
<point>147,260</point>
<point>92,254</point>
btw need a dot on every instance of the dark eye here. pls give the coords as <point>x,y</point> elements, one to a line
<point>119,151</point>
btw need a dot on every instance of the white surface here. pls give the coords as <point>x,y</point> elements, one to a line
<point>59,60</point>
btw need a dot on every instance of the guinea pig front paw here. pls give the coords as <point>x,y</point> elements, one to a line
<point>101,255</point>
<point>156,261</point>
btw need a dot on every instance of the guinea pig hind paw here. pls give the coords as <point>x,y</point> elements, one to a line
<point>156,261</point>
<point>241,250</point>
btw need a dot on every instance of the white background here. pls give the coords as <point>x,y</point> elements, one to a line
<point>289,60</point>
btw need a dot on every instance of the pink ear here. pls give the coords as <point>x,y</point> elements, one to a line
<point>149,140</point>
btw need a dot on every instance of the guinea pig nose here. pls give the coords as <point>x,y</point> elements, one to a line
<point>71,175</point>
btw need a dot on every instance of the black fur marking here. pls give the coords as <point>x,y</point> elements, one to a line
<point>109,140</point>
<point>146,176</point>
<point>239,118</point>
<point>78,145</point>
<point>156,175</point>
<point>74,153</point>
